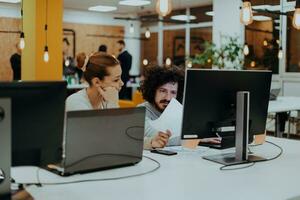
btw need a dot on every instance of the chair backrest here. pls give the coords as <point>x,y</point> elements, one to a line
<point>126,104</point>
<point>137,98</point>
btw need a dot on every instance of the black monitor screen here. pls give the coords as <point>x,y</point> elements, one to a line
<point>37,121</point>
<point>210,101</point>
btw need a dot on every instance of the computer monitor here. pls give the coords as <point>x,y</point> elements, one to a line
<point>5,147</point>
<point>210,100</point>
<point>37,110</point>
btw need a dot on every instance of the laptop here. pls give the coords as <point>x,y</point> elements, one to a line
<point>274,94</point>
<point>101,139</point>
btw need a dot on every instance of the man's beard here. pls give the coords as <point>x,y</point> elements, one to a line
<point>162,101</point>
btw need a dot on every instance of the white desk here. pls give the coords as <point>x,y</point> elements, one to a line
<point>184,176</point>
<point>283,104</point>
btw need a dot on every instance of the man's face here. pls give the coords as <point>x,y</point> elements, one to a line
<point>164,94</point>
<point>120,47</point>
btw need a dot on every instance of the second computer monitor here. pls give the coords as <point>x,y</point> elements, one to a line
<point>37,119</point>
<point>210,101</point>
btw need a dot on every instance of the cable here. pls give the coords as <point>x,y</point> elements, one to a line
<point>253,162</point>
<point>275,157</point>
<point>223,168</point>
<point>93,180</point>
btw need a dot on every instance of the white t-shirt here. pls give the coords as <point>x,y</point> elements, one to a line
<point>81,101</point>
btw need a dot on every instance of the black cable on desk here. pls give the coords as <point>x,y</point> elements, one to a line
<point>253,163</point>
<point>93,180</point>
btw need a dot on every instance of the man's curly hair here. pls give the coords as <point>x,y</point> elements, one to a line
<point>156,76</point>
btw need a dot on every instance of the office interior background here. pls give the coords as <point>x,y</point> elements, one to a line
<point>206,34</point>
<point>191,34</point>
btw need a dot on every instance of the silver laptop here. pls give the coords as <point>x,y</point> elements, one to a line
<point>102,139</point>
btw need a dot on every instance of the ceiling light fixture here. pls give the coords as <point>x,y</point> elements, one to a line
<point>46,51</point>
<point>101,8</point>
<point>145,62</point>
<point>163,7</point>
<point>246,49</point>
<point>10,1</point>
<point>280,53</point>
<point>210,13</point>
<point>131,29</point>
<point>246,14</point>
<point>147,33</point>
<point>22,35</point>
<point>168,61</point>
<point>134,2</point>
<point>261,18</point>
<point>183,17</point>
<point>296,17</point>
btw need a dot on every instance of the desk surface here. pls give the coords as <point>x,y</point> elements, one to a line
<point>184,176</point>
<point>284,104</point>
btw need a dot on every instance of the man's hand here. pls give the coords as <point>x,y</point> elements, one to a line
<point>161,139</point>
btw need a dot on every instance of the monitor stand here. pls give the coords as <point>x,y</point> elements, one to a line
<point>5,147</point>
<point>241,133</point>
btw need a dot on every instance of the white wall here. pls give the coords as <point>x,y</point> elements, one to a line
<point>9,11</point>
<point>226,20</point>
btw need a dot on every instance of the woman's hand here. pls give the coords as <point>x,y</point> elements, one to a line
<point>110,95</point>
<point>161,139</point>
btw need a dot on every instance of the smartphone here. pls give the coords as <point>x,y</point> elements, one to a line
<point>164,152</point>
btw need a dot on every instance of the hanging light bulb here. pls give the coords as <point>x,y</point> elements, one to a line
<point>163,7</point>
<point>22,35</point>
<point>131,29</point>
<point>246,15</point>
<point>147,33</point>
<point>265,42</point>
<point>280,53</point>
<point>67,62</point>
<point>46,54</point>
<point>189,64</point>
<point>246,49</point>
<point>168,61</point>
<point>252,64</point>
<point>296,18</point>
<point>22,41</point>
<point>145,62</point>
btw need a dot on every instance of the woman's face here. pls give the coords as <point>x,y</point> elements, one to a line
<point>114,78</point>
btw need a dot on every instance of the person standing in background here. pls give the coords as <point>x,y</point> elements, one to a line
<point>15,61</point>
<point>126,60</point>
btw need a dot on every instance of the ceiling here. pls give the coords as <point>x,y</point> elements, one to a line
<point>176,4</point>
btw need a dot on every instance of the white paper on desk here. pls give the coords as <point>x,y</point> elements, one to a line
<point>170,119</point>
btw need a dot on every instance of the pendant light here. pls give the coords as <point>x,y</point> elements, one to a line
<point>131,29</point>
<point>246,49</point>
<point>147,33</point>
<point>280,53</point>
<point>22,35</point>
<point>296,18</point>
<point>163,7</point>
<point>46,51</point>
<point>246,15</point>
